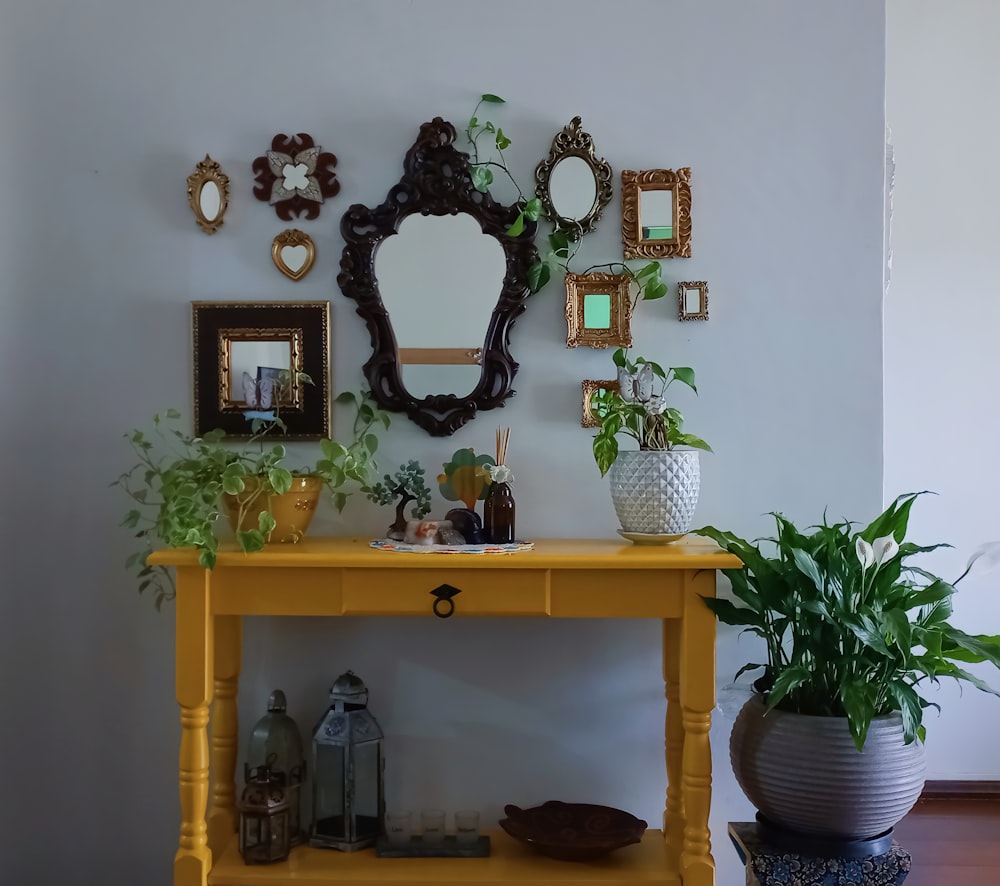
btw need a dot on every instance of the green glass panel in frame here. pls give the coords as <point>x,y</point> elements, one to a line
<point>597,310</point>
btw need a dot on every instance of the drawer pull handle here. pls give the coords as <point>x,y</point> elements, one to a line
<point>444,605</point>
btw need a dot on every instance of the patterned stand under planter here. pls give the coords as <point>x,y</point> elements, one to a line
<point>770,866</point>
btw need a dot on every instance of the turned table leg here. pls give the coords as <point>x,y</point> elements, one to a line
<point>222,819</point>
<point>697,697</point>
<point>673,815</point>
<point>194,695</point>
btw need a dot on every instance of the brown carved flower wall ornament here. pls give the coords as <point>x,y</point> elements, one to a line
<point>295,176</point>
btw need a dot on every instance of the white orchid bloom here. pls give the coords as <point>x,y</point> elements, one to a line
<point>884,549</point>
<point>638,387</point>
<point>864,551</point>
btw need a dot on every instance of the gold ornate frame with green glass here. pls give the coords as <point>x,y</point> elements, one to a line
<point>598,310</point>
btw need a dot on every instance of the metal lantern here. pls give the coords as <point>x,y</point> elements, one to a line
<point>264,818</point>
<point>277,743</point>
<point>347,765</point>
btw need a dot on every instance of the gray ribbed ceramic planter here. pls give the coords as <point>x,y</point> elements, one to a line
<point>804,773</point>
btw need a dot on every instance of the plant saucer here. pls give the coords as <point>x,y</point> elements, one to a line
<point>651,538</point>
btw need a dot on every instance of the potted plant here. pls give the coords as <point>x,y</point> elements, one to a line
<point>655,488</point>
<point>180,485</point>
<point>831,744</point>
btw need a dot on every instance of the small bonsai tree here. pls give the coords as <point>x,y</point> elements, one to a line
<point>407,485</point>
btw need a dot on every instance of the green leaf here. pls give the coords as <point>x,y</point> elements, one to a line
<point>280,480</point>
<point>251,540</point>
<point>605,449</point>
<point>538,276</point>
<point>654,289</point>
<point>790,679</point>
<point>618,357</point>
<point>533,209</point>
<point>908,704</point>
<point>502,140</point>
<point>559,243</point>
<point>650,270</point>
<point>685,375</point>
<point>737,616</point>
<point>482,177</point>
<point>266,522</point>
<point>492,99</point>
<point>517,226</point>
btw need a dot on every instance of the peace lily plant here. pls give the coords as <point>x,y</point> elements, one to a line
<point>852,628</point>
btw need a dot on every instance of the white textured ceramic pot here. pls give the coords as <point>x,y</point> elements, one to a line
<point>655,493</point>
<point>805,774</point>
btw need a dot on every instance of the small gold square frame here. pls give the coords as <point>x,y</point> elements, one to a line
<point>591,387</point>
<point>684,307</point>
<point>616,286</point>
<point>678,244</point>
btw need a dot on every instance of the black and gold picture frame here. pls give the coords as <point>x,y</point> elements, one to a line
<point>692,300</point>
<point>249,362</point>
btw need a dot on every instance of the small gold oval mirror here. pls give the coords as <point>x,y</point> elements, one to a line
<point>293,253</point>
<point>572,183</point>
<point>208,194</point>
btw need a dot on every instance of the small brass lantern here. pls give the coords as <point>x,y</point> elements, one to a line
<point>347,766</point>
<point>264,818</point>
<point>277,743</point>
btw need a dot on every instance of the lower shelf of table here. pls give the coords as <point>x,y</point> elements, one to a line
<point>510,863</point>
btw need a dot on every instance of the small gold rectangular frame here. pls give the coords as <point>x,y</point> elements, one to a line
<point>686,292</point>
<point>618,332</point>
<point>221,328</point>
<point>591,387</point>
<point>676,242</point>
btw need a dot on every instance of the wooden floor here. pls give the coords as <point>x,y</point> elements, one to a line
<point>952,842</point>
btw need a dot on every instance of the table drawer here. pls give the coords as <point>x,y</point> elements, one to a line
<point>410,591</point>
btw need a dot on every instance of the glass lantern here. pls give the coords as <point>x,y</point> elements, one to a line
<point>277,743</point>
<point>348,793</point>
<point>264,818</point>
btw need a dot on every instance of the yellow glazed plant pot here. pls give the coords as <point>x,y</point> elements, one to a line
<point>293,511</point>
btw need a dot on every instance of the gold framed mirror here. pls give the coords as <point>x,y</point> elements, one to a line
<point>598,310</point>
<point>592,388</point>
<point>293,253</point>
<point>248,361</point>
<point>208,194</point>
<point>656,213</point>
<point>573,184</point>
<point>692,300</point>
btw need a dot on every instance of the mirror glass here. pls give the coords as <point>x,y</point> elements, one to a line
<point>572,188</point>
<point>656,214</point>
<point>252,362</point>
<point>210,200</point>
<point>597,310</point>
<point>692,301</point>
<point>447,261</point>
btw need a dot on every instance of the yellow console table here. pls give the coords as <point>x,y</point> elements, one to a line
<point>595,578</point>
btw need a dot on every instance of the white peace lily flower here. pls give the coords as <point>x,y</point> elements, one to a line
<point>865,553</point>
<point>884,549</point>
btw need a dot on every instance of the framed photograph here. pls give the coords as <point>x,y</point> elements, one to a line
<point>598,310</point>
<point>249,362</point>
<point>656,213</point>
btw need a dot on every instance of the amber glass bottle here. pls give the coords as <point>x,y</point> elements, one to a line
<point>498,514</point>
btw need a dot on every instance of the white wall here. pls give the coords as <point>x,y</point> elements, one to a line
<point>107,106</point>
<point>941,317</point>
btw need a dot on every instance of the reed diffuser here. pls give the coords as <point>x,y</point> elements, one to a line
<point>498,509</point>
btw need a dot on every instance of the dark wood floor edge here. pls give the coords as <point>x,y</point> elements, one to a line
<point>964,789</point>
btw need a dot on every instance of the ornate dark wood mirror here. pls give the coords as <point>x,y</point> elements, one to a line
<point>454,281</point>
